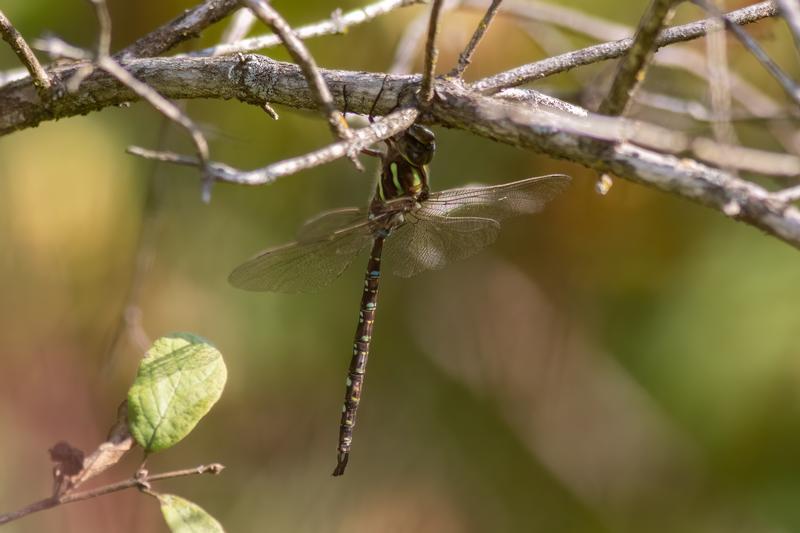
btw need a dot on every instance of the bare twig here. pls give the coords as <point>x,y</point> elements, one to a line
<point>14,38</point>
<point>240,25</point>
<point>300,53</point>
<point>631,69</point>
<point>790,11</point>
<point>186,26</point>
<point>406,49</point>
<point>104,23</point>
<point>789,195</point>
<point>431,53</point>
<point>559,15</point>
<point>788,85</point>
<point>325,27</point>
<point>161,104</point>
<point>361,138</point>
<point>719,84</point>
<point>134,482</point>
<point>612,50</point>
<point>466,56</point>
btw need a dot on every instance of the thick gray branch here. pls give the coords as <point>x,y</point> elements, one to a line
<point>524,128</point>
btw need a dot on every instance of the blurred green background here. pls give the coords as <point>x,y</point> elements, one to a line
<point>618,363</point>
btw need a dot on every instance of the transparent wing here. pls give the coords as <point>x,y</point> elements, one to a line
<point>432,242</point>
<point>496,202</point>
<point>303,266</point>
<point>330,222</point>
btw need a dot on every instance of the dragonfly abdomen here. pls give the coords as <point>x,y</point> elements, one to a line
<point>358,362</point>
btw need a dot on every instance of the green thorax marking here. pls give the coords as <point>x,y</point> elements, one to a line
<point>405,171</point>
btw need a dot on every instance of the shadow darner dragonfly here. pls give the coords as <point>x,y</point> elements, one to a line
<point>406,225</point>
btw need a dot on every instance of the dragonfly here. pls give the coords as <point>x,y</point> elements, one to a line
<point>407,226</point>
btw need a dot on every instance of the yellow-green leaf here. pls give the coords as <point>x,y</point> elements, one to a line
<point>183,516</point>
<point>180,378</point>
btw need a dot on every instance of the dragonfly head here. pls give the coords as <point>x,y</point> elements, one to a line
<point>417,145</point>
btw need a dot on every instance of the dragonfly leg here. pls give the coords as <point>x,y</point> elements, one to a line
<point>372,152</point>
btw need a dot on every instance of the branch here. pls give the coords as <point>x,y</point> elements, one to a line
<point>300,53</point>
<point>338,24</point>
<point>14,38</point>
<point>431,52</point>
<point>750,97</point>
<point>138,482</point>
<point>184,27</point>
<point>708,186</point>
<point>631,69</point>
<point>612,50</point>
<point>390,125</point>
<point>466,56</point>
<point>789,86</point>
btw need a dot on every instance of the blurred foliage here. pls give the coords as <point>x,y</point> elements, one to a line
<point>618,363</point>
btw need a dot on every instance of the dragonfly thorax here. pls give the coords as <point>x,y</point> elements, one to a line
<point>404,172</point>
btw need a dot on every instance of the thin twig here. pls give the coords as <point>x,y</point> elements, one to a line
<point>239,26</point>
<point>185,26</point>
<point>631,69</point>
<point>300,53</point>
<point>719,84</point>
<point>786,83</point>
<point>431,53</point>
<point>325,27</point>
<point>161,104</point>
<point>406,50</point>
<point>612,50</point>
<point>49,503</point>
<point>14,38</point>
<point>389,125</point>
<point>788,195</point>
<point>790,11</point>
<point>465,58</point>
<point>144,91</point>
<point>104,23</point>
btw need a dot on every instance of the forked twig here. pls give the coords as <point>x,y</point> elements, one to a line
<point>611,50</point>
<point>391,124</point>
<point>134,482</point>
<point>331,26</point>
<point>144,91</point>
<point>786,83</point>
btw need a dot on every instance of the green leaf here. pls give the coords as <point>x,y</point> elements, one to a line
<point>179,379</point>
<point>183,516</point>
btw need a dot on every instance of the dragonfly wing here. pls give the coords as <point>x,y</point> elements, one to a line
<point>302,266</point>
<point>329,222</point>
<point>496,202</point>
<point>430,243</point>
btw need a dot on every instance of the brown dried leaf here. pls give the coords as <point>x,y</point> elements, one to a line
<point>109,453</point>
<point>69,462</point>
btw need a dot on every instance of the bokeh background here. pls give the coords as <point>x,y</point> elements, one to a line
<point>618,363</point>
